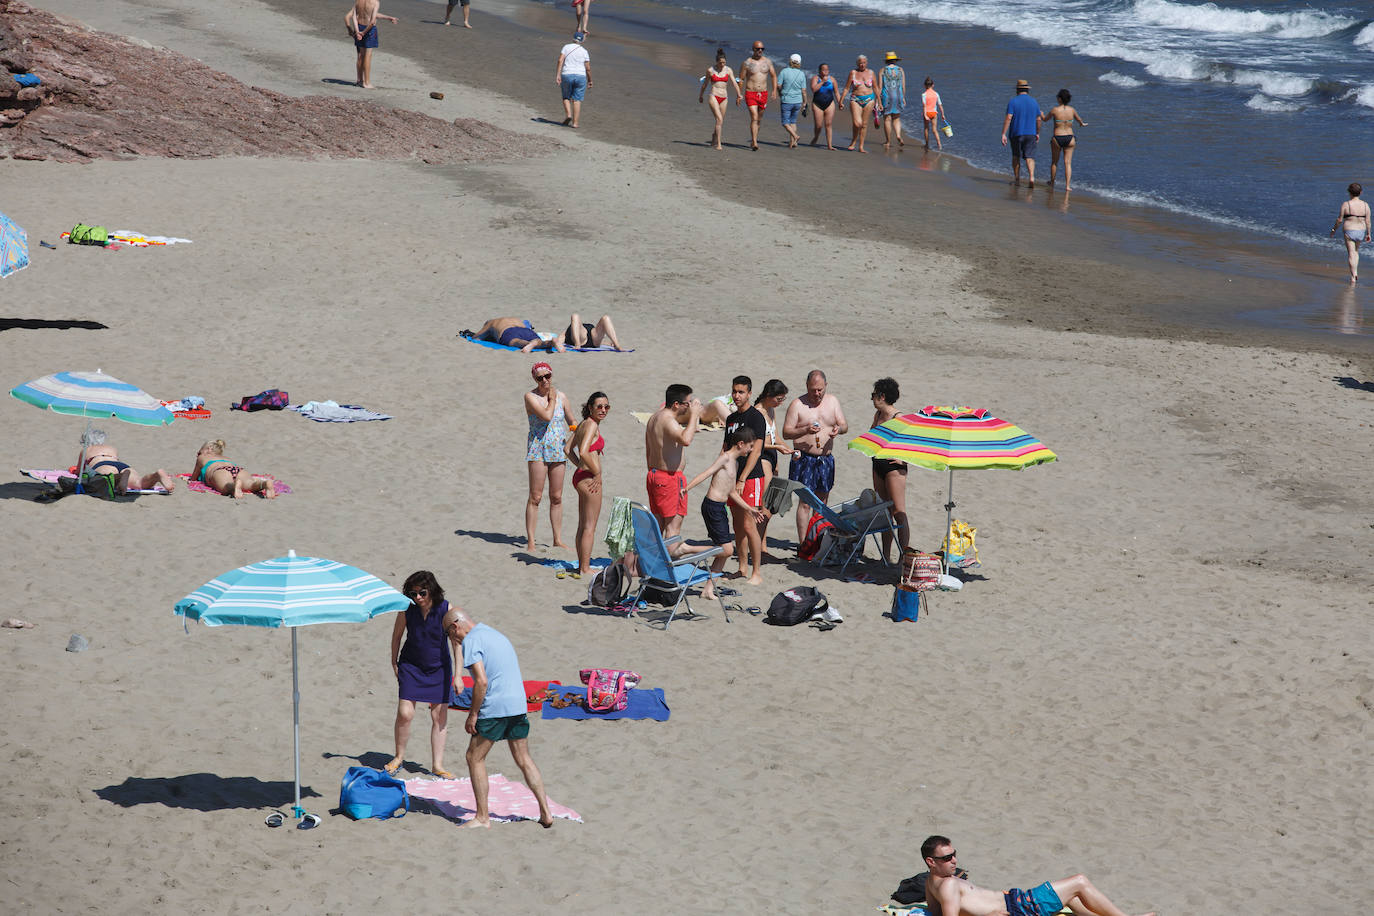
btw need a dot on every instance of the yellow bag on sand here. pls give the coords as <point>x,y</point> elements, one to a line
<point>960,549</point>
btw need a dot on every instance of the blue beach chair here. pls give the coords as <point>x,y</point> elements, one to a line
<point>852,522</point>
<point>658,568</point>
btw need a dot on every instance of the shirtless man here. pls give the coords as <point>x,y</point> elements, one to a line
<point>362,25</point>
<point>101,458</point>
<point>667,436</point>
<point>758,77</point>
<point>949,895</point>
<point>812,423</point>
<point>515,332</point>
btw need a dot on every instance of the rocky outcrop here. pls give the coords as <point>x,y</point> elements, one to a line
<point>104,97</point>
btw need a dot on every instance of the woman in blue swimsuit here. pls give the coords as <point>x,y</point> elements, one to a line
<point>547,409</point>
<point>823,105</point>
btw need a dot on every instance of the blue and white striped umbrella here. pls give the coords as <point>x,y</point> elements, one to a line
<point>293,592</point>
<point>94,394</point>
<point>14,247</point>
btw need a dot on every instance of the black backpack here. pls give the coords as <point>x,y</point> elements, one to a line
<point>609,587</point>
<point>794,606</point>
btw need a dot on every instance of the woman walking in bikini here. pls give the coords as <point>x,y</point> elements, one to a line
<point>719,77</point>
<point>1062,142</point>
<point>861,88</point>
<point>1353,221</point>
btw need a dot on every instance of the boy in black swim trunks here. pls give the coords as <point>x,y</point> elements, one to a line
<point>722,491</point>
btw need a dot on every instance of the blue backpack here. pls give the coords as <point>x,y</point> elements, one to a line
<point>366,792</point>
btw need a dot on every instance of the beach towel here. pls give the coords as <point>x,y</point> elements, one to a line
<point>140,240</point>
<point>195,486</point>
<point>493,345</point>
<point>620,529</point>
<point>188,408</point>
<point>572,564</point>
<point>334,412</point>
<point>894,909</point>
<point>507,800</point>
<point>534,694</point>
<point>50,475</point>
<point>642,703</point>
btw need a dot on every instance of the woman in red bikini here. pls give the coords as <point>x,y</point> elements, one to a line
<point>719,78</point>
<point>584,449</point>
<point>582,10</point>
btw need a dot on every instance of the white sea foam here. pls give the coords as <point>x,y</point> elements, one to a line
<point>1262,102</point>
<point>1208,17</point>
<point>1363,95</point>
<point>1121,79</point>
<point>1365,38</point>
<point>1150,200</point>
<point>1268,82</point>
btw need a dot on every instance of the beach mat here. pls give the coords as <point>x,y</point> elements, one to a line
<point>50,475</point>
<point>462,699</point>
<point>507,800</point>
<point>644,703</point>
<point>196,486</point>
<point>493,345</point>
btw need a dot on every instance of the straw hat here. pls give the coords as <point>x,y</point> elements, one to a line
<point>1022,84</point>
<point>891,56</point>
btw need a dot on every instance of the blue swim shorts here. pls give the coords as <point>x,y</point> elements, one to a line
<point>369,39</point>
<point>1038,901</point>
<point>816,471</point>
<point>574,86</point>
<point>1023,146</point>
<point>789,112</point>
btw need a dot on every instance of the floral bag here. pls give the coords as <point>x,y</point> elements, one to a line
<point>608,688</point>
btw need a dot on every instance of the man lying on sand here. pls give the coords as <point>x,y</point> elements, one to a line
<point>517,332</point>
<point>949,895</point>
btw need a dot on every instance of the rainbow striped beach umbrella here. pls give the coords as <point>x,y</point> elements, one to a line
<point>950,438</point>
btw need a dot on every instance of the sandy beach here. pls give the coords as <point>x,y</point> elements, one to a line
<point>1162,678</point>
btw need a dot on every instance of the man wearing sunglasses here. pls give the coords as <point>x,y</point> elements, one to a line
<point>757,77</point>
<point>952,895</point>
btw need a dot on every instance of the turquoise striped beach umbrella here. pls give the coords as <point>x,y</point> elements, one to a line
<point>94,394</point>
<point>14,247</point>
<point>292,592</point>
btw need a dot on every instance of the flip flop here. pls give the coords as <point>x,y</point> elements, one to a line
<point>391,768</point>
<point>309,822</point>
<point>275,819</point>
<point>569,574</point>
<point>443,774</point>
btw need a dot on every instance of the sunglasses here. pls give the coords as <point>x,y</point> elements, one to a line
<point>759,48</point>
<point>545,376</point>
<point>945,858</point>
<point>418,593</point>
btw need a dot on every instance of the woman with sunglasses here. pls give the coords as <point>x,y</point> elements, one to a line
<point>423,667</point>
<point>584,450</point>
<point>547,409</point>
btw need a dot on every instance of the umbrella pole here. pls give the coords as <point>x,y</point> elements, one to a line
<point>949,519</point>
<point>298,811</point>
<point>81,468</point>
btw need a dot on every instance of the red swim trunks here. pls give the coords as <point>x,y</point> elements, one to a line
<point>753,492</point>
<point>667,492</point>
<point>757,100</point>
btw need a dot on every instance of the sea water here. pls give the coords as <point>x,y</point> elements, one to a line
<point>1253,114</point>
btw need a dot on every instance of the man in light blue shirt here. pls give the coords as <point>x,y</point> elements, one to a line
<point>791,96</point>
<point>1023,126</point>
<point>498,710</point>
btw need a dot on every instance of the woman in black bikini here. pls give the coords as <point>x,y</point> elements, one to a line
<point>823,105</point>
<point>101,458</point>
<point>1063,115</point>
<point>889,476</point>
<point>1353,221</point>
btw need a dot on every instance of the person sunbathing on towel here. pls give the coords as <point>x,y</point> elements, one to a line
<point>581,334</point>
<point>949,895</point>
<point>517,332</point>
<point>217,473</point>
<point>102,458</point>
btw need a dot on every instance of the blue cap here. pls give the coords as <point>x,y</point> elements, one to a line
<point>578,36</point>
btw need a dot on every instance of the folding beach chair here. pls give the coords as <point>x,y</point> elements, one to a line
<point>658,568</point>
<point>851,522</point>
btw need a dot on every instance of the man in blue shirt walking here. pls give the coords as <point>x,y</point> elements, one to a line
<point>1023,126</point>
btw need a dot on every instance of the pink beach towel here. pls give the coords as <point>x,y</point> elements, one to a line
<point>195,486</point>
<point>50,475</point>
<point>508,801</point>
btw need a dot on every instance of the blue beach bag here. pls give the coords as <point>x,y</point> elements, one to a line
<point>366,792</point>
<point>906,605</point>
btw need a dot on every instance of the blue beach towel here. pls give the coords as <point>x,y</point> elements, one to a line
<point>492,345</point>
<point>26,79</point>
<point>644,703</point>
<point>571,565</point>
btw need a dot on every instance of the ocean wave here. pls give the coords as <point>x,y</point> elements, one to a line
<point>1208,17</point>
<point>1362,95</point>
<point>1151,200</point>
<point>1121,79</point>
<point>1365,39</point>
<point>1267,81</point>
<point>1262,102</point>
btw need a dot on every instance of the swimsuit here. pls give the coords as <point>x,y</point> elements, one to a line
<point>815,471</point>
<point>1355,235</point>
<point>884,466</point>
<point>667,492</point>
<point>753,492</point>
<point>823,96</point>
<point>718,91</point>
<point>568,336</point>
<point>102,462</point>
<point>369,39</point>
<point>1038,901</point>
<point>580,474</point>
<point>207,466</point>
<point>717,521</point>
<point>1064,140</point>
<point>757,100</point>
<point>547,437</point>
<point>863,100</point>
<point>931,100</point>
<point>517,336</point>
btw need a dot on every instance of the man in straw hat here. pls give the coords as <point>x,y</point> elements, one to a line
<point>1022,124</point>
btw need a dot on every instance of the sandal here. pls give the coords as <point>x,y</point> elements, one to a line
<point>275,819</point>
<point>442,773</point>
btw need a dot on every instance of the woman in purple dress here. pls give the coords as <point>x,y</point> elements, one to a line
<point>423,667</point>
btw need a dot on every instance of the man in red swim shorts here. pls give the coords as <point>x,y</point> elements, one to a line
<point>758,76</point>
<point>669,432</point>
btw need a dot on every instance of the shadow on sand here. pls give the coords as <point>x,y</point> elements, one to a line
<point>202,792</point>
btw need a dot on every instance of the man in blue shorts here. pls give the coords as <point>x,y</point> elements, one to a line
<point>812,423</point>
<point>1022,125</point>
<point>497,712</point>
<point>950,895</point>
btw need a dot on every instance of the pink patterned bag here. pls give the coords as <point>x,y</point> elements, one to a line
<point>607,688</point>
